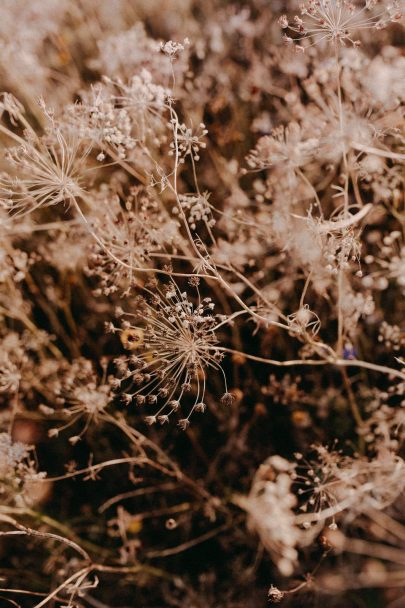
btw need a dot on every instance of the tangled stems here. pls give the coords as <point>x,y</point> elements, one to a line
<point>328,360</point>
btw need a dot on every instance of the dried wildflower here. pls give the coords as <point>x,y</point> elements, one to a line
<point>82,395</point>
<point>18,469</point>
<point>270,505</point>
<point>335,483</point>
<point>68,252</point>
<point>9,375</point>
<point>128,235</point>
<point>130,51</point>
<point>341,248</point>
<point>177,348</point>
<point>228,399</point>
<point>315,219</point>
<point>14,264</point>
<point>391,336</point>
<point>186,141</point>
<point>286,391</point>
<point>146,104</point>
<point>48,171</point>
<point>337,21</point>
<point>197,209</point>
<point>285,146</point>
<point>385,425</point>
<point>117,116</point>
<point>98,120</point>
<point>354,306</point>
<point>304,320</point>
<point>274,595</point>
<point>171,48</point>
<point>16,366</point>
<point>388,265</point>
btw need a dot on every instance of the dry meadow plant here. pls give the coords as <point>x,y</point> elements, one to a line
<point>202,281</point>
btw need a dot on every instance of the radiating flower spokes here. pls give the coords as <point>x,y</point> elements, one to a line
<point>48,171</point>
<point>83,396</point>
<point>337,21</point>
<point>174,345</point>
<point>334,483</point>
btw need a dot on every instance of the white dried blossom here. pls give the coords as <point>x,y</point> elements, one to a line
<point>270,507</point>
<point>186,141</point>
<point>172,49</point>
<point>391,336</point>
<point>127,52</point>
<point>10,375</point>
<point>285,146</point>
<point>197,208</point>
<point>18,469</point>
<point>387,267</point>
<point>275,595</point>
<point>304,320</point>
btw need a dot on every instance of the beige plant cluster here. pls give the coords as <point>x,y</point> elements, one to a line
<point>202,281</point>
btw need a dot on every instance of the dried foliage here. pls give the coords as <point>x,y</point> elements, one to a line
<point>202,281</point>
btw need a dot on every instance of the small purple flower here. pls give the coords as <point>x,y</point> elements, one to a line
<point>349,352</point>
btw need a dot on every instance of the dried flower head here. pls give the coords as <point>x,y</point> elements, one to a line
<point>82,395</point>
<point>337,21</point>
<point>333,483</point>
<point>286,146</point>
<point>128,236</point>
<point>174,345</point>
<point>17,469</point>
<point>270,505</point>
<point>47,169</point>
<point>187,141</point>
<point>274,595</point>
